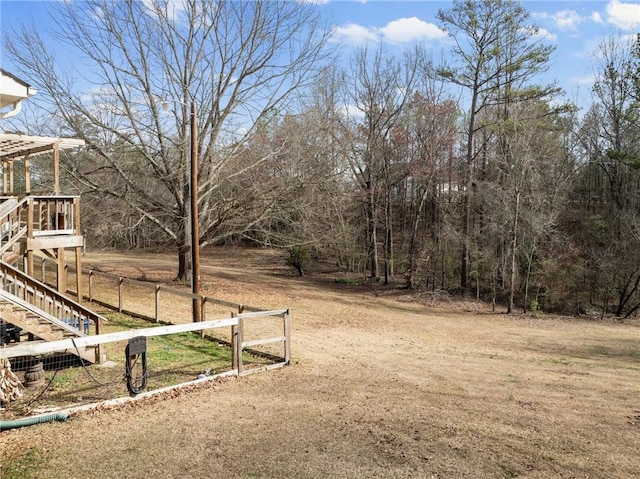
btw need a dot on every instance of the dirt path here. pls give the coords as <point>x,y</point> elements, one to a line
<point>382,386</point>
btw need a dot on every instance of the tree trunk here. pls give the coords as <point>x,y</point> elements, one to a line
<point>466,242</point>
<point>528,277</point>
<point>388,239</point>
<point>184,250</point>
<point>373,234</point>
<point>513,254</point>
<point>184,263</point>
<point>410,279</point>
<point>468,181</point>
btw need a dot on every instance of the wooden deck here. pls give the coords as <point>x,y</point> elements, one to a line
<point>46,225</point>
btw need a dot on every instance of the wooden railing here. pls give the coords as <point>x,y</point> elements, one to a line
<point>134,292</point>
<point>157,290</point>
<point>238,345</point>
<point>53,214</point>
<point>36,216</point>
<point>13,225</point>
<point>49,300</point>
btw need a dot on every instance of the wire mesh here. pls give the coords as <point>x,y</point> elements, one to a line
<point>66,379</point>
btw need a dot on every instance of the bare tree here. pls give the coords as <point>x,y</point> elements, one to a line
<point>430,126</point>
<point>609,194</point>
<point>495,56</point>
<point>378,87</point>
<point>237,61</point>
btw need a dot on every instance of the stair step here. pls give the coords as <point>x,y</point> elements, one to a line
<point>39,319</point>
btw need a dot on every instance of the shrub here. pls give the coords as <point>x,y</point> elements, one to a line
<point>299,258</point>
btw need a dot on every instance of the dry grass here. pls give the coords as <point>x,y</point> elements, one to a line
<point>382,386</point>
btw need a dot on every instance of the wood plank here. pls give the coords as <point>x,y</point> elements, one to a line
<point>258,314</point>
<point>175,292</point>
<point>258,342</point>
<point>26,349</point>
<point>54,241</point>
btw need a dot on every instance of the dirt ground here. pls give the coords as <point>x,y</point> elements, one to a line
<point>383,385</point>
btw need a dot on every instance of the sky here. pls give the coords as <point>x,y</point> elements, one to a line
<point>574,27</point>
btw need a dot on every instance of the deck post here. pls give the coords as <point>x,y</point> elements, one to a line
<point>5,177</point>
<point>56,169</point>
<point>61,280</point>
<point>78,232</point>
<point>11,186</point>
<point>27,174</point>
<point>30,263</point>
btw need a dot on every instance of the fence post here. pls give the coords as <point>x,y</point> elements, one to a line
<point>120,281</point>
<point>99,347</point>
<point>239,345</point>
<point>287,337</point>
<point>203,300</point>
<point>90,284</point>
<point>157,315</point>
<point>234,344</point>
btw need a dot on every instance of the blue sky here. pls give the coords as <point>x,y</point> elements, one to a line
<point>575,27</point>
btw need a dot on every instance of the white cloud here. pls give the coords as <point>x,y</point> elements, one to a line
<point>406,30</point>
<point>351,111</point>
<point>172,6</point>
<point>545,34</point>
<point>539,33</point>
<point>570,20</point>
<point>625,16</point>
<point>354,34</point>
<point>583,80</point>
<point>403,30</point>
<point>567,20</point>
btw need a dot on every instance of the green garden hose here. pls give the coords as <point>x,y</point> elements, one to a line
<point>30,421</point>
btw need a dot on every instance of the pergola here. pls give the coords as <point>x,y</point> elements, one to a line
<point>63,231</point>
<point>15,147</point>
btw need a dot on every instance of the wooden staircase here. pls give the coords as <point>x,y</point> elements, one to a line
<point>33,306</point>
<point>41,324</point>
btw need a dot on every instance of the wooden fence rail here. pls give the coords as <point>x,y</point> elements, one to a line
<point>236,323</point>
<point>162,294</point>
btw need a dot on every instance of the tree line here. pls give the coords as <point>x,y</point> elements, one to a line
<point>470,175</point>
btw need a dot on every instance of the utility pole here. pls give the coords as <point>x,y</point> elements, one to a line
<point>195,238</point>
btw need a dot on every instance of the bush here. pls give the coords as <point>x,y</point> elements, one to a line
<point>299,258</point>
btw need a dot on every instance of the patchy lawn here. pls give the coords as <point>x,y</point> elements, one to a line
<point>382,385</point>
